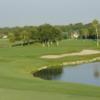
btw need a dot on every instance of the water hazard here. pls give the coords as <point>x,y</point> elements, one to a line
<point>84,73</point>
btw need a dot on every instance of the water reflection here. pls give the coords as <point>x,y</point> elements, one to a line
<point>49,73</point>
<point>97,71</point>
<point>85,73</point>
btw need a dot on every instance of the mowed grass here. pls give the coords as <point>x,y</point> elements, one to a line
<point>18,63</point>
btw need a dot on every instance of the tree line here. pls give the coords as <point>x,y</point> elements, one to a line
<point>45,34</point>
<point>48,34</point>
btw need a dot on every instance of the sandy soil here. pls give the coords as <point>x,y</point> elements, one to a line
<point>84,52</point>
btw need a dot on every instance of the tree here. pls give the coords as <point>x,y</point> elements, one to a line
<point>48,34</point>
<point>84,33</point>
<point>34,33</point>
<point>95,24</point>
<point>12,37</point>
<point>56,35</point>
<point>25,37</point>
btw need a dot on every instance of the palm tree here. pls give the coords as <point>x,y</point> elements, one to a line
<point>95,24</point>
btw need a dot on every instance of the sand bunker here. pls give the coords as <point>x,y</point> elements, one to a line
<point>84,52</point>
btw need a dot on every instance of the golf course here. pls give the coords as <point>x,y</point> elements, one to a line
<point>49,50</point>
<point>18,63</point>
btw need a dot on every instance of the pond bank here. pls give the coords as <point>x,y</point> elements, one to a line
<point>81,61</point>
<point>70,63</point>
<point>84,72</point>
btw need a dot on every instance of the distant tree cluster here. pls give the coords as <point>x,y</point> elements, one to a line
<point>48,34</point>
<point>45,34</point>
<point>82,31</point>
<point>85,31</point>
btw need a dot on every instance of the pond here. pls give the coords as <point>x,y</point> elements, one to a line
<point>84,73</point>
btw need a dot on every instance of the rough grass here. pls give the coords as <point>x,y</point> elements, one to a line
<point>17,82</point>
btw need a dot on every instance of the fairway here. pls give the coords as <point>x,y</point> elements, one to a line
<point>18,63</point>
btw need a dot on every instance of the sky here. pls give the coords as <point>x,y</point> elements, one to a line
<point>36,12</point>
